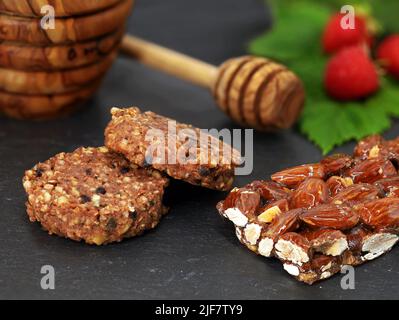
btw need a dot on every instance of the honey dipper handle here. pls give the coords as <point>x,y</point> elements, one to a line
<point>169,61</point>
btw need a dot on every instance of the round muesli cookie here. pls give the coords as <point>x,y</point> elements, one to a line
<point>95,195</point>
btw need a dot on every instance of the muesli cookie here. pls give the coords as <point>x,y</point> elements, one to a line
<point>318,218</point>
<point>180,150</point>
<point>94,195</point>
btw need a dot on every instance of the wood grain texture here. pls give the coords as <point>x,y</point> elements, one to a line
<point>55,58</point>
<point>169,61</point>
<point>44,106</point>
<point>43,83</point>
<point>68,30</point>
<point>259,93</point>
<point>63,8</point>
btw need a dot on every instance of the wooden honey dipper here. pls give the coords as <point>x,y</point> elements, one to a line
<point>253,91</point>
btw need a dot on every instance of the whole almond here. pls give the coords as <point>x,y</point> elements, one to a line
<point>372,170</point>
<point>270,190</point>
<point>356,193</point>
<point>389,186</point>
<point>336,184</point>
<point>245,200</point>
<point>363,148</point>
<point>292,177</point>
<point>335,163</point>
<point>310,193</point>
<point>381,213</point>
<point>330,216</point>
<point>285,222</point>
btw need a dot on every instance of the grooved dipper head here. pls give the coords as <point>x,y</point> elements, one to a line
<point>259,93</point>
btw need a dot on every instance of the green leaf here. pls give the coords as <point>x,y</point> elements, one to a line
<point>388,98</point>
<point>295,41</point>
<point>331,124</point>
<point>296,27</point>
<point>386,12</point>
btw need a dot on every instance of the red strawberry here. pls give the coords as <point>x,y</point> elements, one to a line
<point>351,75</point>
<point>388,53</point>
<point>336,38</point>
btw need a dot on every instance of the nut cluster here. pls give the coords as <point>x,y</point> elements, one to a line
<point>318,217</point>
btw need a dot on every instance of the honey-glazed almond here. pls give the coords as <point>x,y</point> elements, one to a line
<point>336,163</point>
<point>310,193</point>
<point>294,248</point>
<point>330,216</point>
<point>282,223</point>
<point>269,190</point>
<point>389,187</point>
<point>381,213</point>
<point>285,222</point>
<point>327,241</point>
<point>356,193</point>
<point>372,170</point>
<point>363,148</point>
<point>246,200</point>
<point>292,177</point>
<point>336,184</point>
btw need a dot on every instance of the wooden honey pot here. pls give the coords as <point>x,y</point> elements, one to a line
<point>45,73</point>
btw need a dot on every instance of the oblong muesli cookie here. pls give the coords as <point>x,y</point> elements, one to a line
<point>95,195</point>
<point>180,150</point>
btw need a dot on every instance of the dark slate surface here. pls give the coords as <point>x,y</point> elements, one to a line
<point>193,253</point>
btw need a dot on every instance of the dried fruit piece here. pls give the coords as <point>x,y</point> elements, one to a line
<point>310,193</point>
<point>356,193</point>
<point>272,210</point>
<point>335,163</point>
<point>330,216</point>
<point>294,176</point>
<point>327,241</point>
<point>381,213</point>
<point>293,247</point>
<point>372,170</point>
<point>336,184</point>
